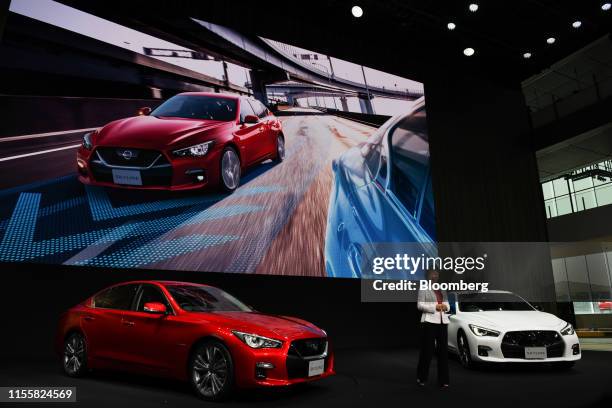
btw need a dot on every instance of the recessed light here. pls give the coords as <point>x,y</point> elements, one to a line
<point>606,6</point>
<point>527,55</point>
<point>577,24</point>
<point>473,7</point>
<point>468,52</point>
<point>451,26</point>
<point>551,40</point>
<point>357,11</point>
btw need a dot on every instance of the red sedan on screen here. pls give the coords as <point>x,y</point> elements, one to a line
<point>191,141</point>
<point>190,332</point>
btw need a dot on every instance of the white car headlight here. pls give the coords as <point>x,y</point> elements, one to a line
<point>568,330</point>
<point>482,331</point>
<point>256,341</point>
<point>198,150</point>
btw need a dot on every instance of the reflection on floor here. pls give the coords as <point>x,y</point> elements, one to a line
<point>365,378</point>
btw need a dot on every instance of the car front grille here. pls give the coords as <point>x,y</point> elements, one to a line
<point>155,169</point>
<point>308,347</point>
<point>128,157</point>
<point>301,352</point>
<point>514,343</point>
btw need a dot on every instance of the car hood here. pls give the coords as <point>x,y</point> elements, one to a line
<point>282,327</point>
<point>153,132</point>
<point>515,320</point>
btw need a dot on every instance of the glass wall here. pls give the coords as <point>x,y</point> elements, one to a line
<point>586,280</point>
<point>571,193</point>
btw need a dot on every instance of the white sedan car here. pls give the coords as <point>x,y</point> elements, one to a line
<point>502,327</point>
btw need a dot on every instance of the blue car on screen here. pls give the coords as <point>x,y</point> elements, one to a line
<point>382,196</point>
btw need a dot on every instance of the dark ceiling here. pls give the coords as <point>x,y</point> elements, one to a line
<point>408,38</point>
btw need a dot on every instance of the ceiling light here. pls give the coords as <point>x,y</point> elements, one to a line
<point>473,7</point>
<point>577,24</point>
<point>551,40</point>
<point>451,26</point>
<point>527,55</point>
<point>468,52</point>
<point>357,11</point>
<point>606,6</point>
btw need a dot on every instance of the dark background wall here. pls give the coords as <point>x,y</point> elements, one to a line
<point>34,296</point>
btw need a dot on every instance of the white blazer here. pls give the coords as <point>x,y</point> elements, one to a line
<point>426,303</point>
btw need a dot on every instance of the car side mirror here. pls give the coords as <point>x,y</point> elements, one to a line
<point>251,119</point>
<point>155,308</point>
<point>144,111</point>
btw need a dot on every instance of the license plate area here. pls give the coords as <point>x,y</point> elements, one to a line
<point>127,177</point>
<point>316,367</point>
<point>535,353</point>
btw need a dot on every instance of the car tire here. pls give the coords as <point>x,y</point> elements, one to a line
<point>564,365</point>
<point>211,370</point>
<point>280,148</point>
<point>74,357</point>
<point>230,169</point>
<point>463,351</point>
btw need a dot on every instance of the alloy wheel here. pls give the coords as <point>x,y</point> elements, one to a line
<point>230,169</point>
<point>464,351</point>
<point>210,371</point>
<point>74,354</point>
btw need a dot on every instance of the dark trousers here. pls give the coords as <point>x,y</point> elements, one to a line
<point>433,336</point>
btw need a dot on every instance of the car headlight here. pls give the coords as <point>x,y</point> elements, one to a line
<point>198,150</point>
<point>568,330</point>
<point>256,341</point>
<point>481,331</point>
<point>87,141</point>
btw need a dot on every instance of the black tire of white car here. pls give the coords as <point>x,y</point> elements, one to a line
<point>463,350</point>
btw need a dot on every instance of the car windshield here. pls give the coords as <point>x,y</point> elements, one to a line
<point>482,302</point>
<point>197,107</point>
<point>205,299</point>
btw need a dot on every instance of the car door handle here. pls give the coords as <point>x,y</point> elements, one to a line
<point>261,129</point>
<point>128,323</point>
<point>89,318</point>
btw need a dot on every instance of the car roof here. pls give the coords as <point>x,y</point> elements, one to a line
<point>214,94</point>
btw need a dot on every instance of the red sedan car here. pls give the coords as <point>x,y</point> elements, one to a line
<point>191,141</point>
<point>190,332</point>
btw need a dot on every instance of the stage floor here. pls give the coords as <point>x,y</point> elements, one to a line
<point>365,378</point>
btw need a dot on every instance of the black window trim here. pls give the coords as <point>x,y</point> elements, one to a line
<point>93,298</point>
<point>138,296</point>
<point>244,100</point>
<point>254,104</point>
<point>386,144</point>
